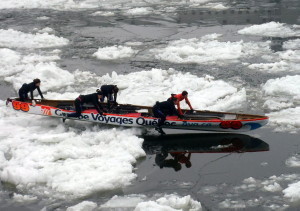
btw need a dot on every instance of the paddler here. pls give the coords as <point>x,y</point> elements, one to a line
<point>162,109</point>
<point>91,98</point>
<point>23,91</point>
<point>180,97</point>
<point>109,91</point>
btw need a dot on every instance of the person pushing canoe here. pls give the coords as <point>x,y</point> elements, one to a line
<point>23,91</point>
<point>180,97</point>
<point>91,98</point>
<point>109,91</point>
<point>162,109</point>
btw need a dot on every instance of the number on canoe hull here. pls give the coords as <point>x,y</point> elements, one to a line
<point>231,124</point>
<point>20,106</point>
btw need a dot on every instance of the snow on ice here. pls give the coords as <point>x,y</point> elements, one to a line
<point>16,39</point>
<point>283,97</point>
<point>272,29</point>
<point>170,202</point>
<point>74,160</point>
<point>208,50</point>
<point>114,53</point>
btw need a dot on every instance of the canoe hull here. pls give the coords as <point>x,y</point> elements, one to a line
<point>137,120</point>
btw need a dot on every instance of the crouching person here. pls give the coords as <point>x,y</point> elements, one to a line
<point>162,109</point>
<point>91,98</point>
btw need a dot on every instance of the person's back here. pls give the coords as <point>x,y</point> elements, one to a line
<point>90,98</point>
<point>107,89</point>
<point>167,107</point>
<point>180,97</point>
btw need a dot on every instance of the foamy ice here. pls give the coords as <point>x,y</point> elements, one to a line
<point>272,29</point>
<point>136,6</point>
<point>283,98</point>
<point>68,160</point>
<point>139,202</point>
<point>209,50</point>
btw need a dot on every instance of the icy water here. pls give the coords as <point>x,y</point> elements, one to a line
<point>240,56</point>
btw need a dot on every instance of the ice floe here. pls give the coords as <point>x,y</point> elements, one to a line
<point>281,191</point>
<point>52,76</point>
<point>83,206</point>
<point>284,86</point>
<point>293,161</point>
<point>292,192</point>
<point>208,50</point>
<point>114,53</point>
<point>272,29</point>
<point>167,202</point>
<point>205,92</point>
<point>283,99</point>
<point>292,44</point>
<point>44,157</point>
<point>24,198</point>
<point>103,13</point>
<point>139,11</point>
<point>16,39</point>
<point>286,119</point>
<point>91,4</point>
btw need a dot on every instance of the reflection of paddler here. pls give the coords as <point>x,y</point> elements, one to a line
<point>182,158</point>
<point>175,163</point>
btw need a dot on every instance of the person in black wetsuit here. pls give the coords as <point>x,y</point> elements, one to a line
<point>23,91</point>
<point>91,98</point>
<point>109,91</point>
<point>162,109</point>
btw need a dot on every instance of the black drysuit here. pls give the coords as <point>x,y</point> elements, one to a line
<point>79,101</point>
<point>163,109</point>
<point>23,91</point>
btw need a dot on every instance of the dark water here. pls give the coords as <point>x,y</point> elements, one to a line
<point>184,164</point>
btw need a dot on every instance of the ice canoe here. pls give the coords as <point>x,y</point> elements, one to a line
<point>142,116</point>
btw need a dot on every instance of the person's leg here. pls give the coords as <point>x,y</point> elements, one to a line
<point>78,109</point>
<point>102,98</point>
<point>110,97</point>
<point>162,118</point>
<point>22,96</point>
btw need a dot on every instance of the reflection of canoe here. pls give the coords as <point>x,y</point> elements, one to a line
<point>203,143</point>
<point>141,116</point>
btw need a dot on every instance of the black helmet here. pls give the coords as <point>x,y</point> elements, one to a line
<point>36,81</point>
<point>116,89</point>
<point>184,93</point>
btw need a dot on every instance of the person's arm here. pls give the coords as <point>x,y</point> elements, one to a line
<point>188,102</point>
<point>41,94</point>
<point>115,97</point>
<point>174,111</point>
<point>97,105</point>
<point>189,156</point>
<point>178,107</point>
<point>31,94</point>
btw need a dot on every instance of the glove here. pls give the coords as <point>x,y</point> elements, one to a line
<point>33,103</point>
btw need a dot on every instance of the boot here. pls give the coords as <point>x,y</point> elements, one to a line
<point>160,130</point>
